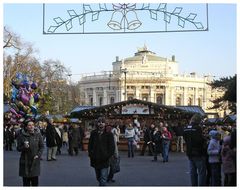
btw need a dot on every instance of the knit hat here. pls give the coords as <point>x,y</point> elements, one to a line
<point>226,140</point>
<point>213,134</point>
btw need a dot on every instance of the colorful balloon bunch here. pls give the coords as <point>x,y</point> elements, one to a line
<point>25,99</point>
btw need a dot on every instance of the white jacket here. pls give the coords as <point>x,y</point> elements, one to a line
<point>129,132</point>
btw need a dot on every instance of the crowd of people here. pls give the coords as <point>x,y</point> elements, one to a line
<point>29,138</point>
<point>210,149</point>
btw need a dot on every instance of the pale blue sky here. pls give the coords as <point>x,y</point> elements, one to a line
<point>212,52</point>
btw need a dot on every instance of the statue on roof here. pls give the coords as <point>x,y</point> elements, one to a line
<point>145,47</point>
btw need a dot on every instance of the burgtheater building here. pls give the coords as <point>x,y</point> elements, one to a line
<point>147,76</point>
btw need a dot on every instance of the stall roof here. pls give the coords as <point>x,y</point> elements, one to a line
<point>106,109</point>
<point>195,109</point>
<point>213,121</point>
<point>80,108</point>
<point>230,118</point>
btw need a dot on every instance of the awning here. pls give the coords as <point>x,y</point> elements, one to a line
<point>194,109</point>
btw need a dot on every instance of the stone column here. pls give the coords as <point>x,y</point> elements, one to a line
<point>137,92</point>
<point>185,96</point>
<point>118,96</point>
<point>164,97</point>
<point>196,97</point>
<point>105,97</point>
<point>205,97</point>
<point>94,97</point>
<point>172,101</point>
<point>167,95</point>
<point>152,94</point>
<point>86,98</point>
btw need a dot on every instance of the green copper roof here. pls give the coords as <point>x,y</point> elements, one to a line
<point>144,53</point>
<point>148,57</point>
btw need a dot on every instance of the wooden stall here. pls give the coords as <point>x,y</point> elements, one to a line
<point>118,113</point>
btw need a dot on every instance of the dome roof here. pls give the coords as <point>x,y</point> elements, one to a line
<point>146,54</point>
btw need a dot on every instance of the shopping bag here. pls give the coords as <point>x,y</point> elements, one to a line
<point>115,164</point>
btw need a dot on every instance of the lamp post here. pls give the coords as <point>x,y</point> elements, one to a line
<point>125,82</point>
<point>205,92</point>
<point>70,82</point>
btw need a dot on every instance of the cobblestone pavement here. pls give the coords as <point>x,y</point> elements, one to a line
<point>76,170</point>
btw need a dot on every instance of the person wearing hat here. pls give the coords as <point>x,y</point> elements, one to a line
<point>196,146</point>
<point>214,157</point>
<point>30,144</point>
<point>100,149</point>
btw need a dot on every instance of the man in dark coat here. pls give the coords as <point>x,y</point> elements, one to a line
<point>196,151</point>
<point>8,137</point>
<point>51,141</point>
<point>147,137</point>
<point>82,135</point>
<point>179,133</point>
<point>74,139</point>
<point>100,149</point>
<point>30,144</point>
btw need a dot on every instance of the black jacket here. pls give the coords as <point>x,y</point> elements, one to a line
<point>51,136</point>
<point>29,167</point>
<point>74,137</point>
<point>148,133</point>
<point>156,138</point>
<point>178,130</point>
<point>100,149</point>
<point>195,142</point>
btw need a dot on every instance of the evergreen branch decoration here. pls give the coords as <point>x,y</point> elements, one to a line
<point>123,18</point>
<point>176,12</point>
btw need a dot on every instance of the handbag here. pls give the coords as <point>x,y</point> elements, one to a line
<point>115,164</point>
<point>135,143</point>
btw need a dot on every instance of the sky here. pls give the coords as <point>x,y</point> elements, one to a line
<point>210,52</point>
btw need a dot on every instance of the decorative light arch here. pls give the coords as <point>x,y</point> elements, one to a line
<point>126,18</point>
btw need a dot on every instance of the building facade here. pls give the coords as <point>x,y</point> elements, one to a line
<point>148,77</point>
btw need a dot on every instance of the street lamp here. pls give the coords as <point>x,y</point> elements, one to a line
<point>205,93</point>
<point>70,78</point>
<point>125,82</point>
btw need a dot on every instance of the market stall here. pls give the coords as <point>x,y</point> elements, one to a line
<point>118,113</point>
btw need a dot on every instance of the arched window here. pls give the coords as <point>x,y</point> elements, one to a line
<point>145,97</point>
<point>160,99</point>
<point>112,100</point>
<point>100,101</point>
<point>178,101</point>
<point>130,97</point>
<point>190,102</point>
<point>91,101</point>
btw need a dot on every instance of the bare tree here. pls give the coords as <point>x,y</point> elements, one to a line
<point>57,94</point>
<point>55,87</point>
<point>10,39</point>
<point>18,56</point>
